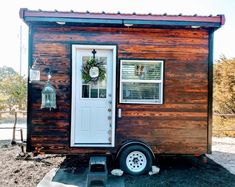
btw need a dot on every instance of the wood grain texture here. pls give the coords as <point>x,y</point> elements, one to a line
<point>178,126</point>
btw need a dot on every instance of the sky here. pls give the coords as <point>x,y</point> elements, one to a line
<point>11,23</point>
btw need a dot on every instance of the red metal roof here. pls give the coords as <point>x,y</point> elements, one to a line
<point>39,15</point>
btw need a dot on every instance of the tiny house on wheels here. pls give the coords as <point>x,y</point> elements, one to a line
<point>132,85</point>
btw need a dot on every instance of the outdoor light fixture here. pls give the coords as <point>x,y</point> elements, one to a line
<point>34,72</point>
<point>195,27</point>
<point>48,95</point>
<point>60,22</point>
<point>128,24</point>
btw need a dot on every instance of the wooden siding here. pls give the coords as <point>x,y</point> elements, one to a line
<point>178,126</point>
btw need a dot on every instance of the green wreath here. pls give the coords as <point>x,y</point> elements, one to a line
<point>86,71</point>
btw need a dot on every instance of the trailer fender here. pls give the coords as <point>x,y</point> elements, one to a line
<point>134,142</point>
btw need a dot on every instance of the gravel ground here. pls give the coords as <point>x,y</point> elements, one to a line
<point>223,152</point>
<point>175,171</point>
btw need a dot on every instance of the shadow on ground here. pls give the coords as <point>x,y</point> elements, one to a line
<point>182,171</point>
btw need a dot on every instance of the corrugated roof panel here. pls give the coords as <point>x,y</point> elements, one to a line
<point>122,18</point>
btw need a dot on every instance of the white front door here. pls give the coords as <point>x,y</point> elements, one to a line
<point>93,102</point>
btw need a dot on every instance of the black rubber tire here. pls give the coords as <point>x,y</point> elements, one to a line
<point>127,151</point>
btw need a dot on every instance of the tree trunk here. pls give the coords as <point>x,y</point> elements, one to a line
<point>13,142</point>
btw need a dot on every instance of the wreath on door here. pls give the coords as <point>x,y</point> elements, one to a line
<point>93,71</point>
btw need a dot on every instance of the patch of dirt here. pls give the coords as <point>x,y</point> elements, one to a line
<point>16,172</point>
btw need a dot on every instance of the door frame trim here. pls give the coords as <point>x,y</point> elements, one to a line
<point>75,48</point>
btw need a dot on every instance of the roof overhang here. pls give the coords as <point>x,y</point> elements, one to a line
<point>31,16</point>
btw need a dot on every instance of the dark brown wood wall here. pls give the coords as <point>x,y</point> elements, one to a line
<point>178,126</point>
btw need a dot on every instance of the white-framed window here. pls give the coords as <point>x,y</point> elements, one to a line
<point>141,81</point>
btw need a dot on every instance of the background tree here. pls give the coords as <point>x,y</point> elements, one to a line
<point>6,72</point>
<point>12,90</point>
<point>224,86</point>
<point>224,97</point>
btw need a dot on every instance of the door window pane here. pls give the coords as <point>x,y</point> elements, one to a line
<point>102,89</point>
<point>85,91</point>
<point>94,90</point>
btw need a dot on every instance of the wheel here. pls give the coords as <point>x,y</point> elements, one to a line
<point>135,160</point>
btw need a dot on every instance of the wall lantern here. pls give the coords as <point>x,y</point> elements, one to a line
<point>34,72</point>
<point>48,95</point>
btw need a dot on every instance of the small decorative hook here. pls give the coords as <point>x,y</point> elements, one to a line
<point>35,61</point>
<point>49,76</point>
<point>48,70</point>
<point>94,52</point>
